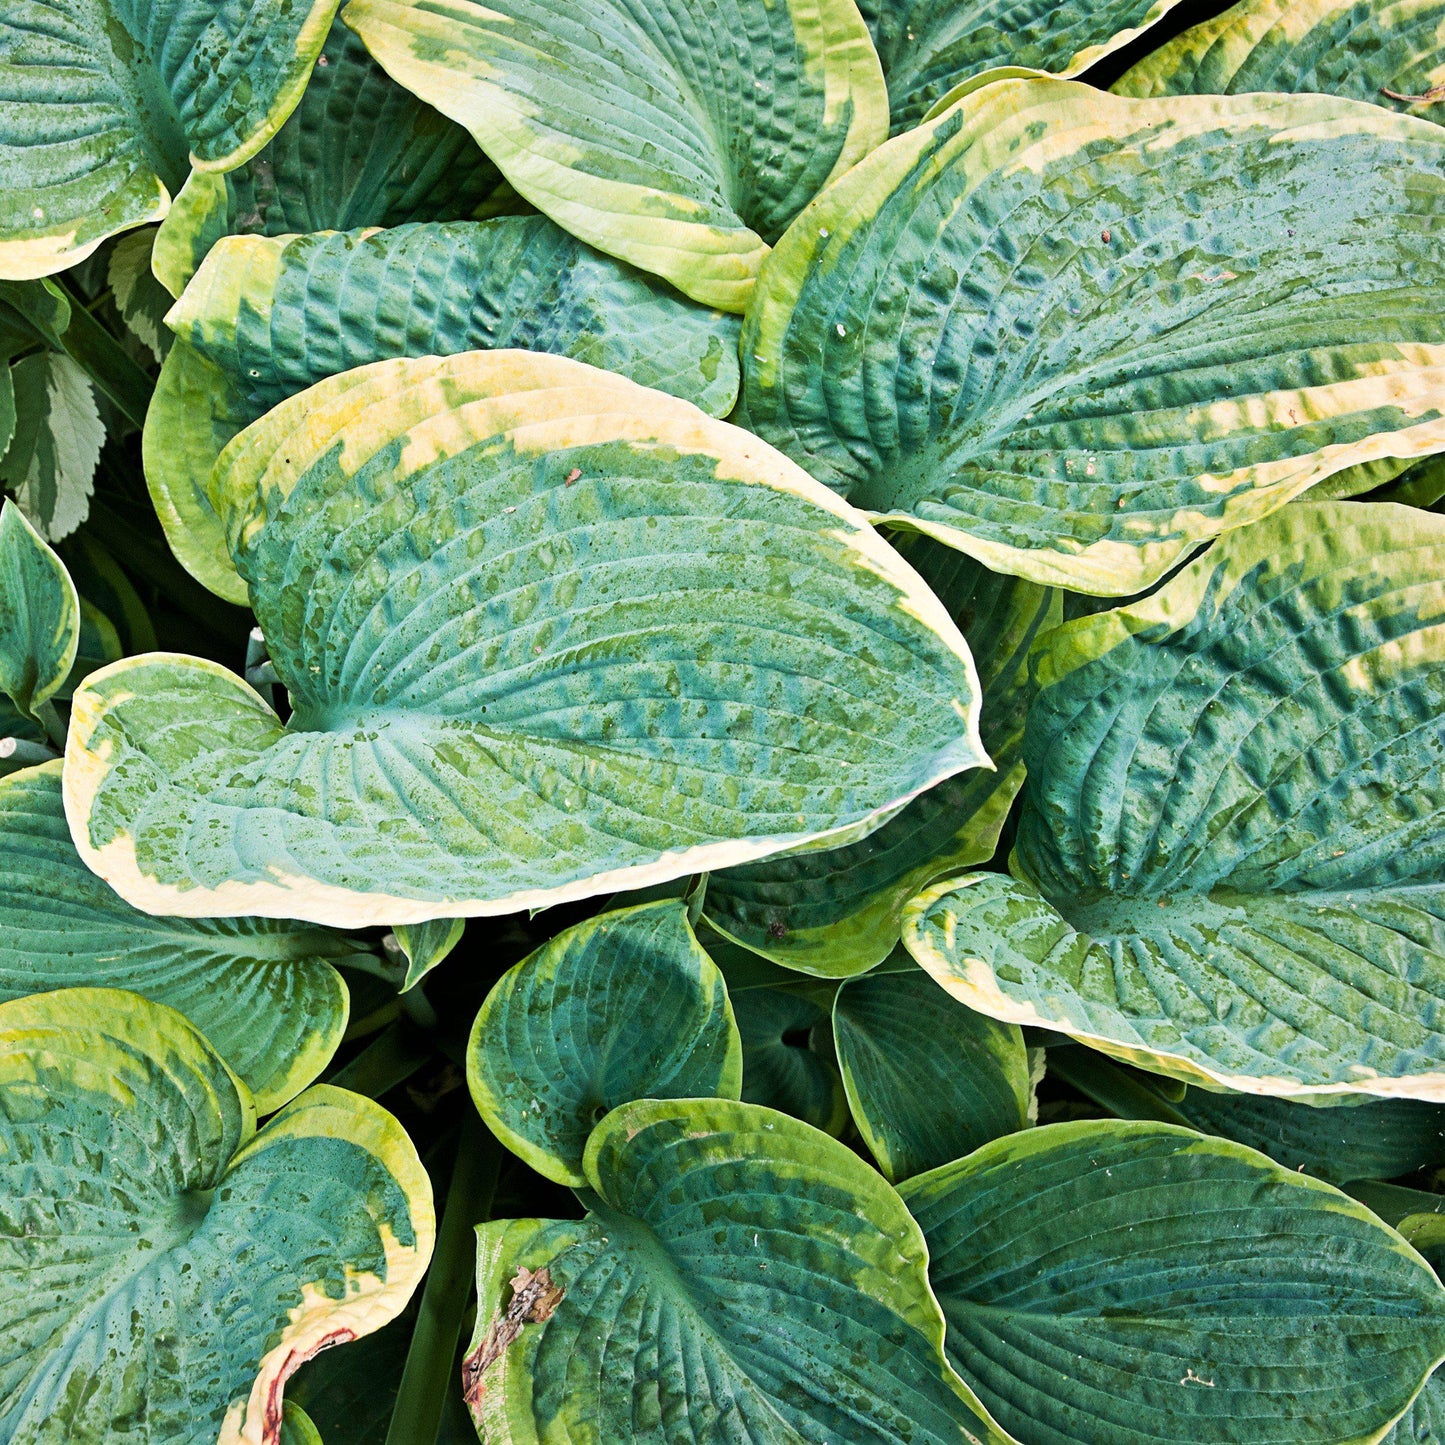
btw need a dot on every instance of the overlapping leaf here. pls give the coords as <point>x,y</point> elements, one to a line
<point>737,1272</point>
<point>105,104</point>
<point>1391,55</point>
<point>545,634</point>
<point>835,912</point>
<point>358,150</point>
<point>681,138</point>
<point>928,1080</point>
<point>927,47</point>
<point>161,1269</point>
<point>1138,1283</point>
<point>624,1006</point>
<point>264,319</point>
<point>1229,861</point>
<point>1076,336</point>
<point>263,992</point>
<point>39,614</point>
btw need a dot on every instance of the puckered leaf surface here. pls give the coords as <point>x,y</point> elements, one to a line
<point>1076,336</point>
<point>1137,1283</point>
<point>738,1276</point>
<point>104,104</point>
<point>545,633</point>
<point>624,1006</point>
<point>358,150</point>
<point>680,137</point>
<point>264,319</point>
<point>263,991</point>
<point>929,46</point>
<point>836,912</point>
<point>161,1269</point>
<point>1230,863</point>
<point>1336,47</point>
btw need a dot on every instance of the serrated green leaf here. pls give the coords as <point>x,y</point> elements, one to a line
<point>705,132</point>
<point>39,614</point>
<point>51,461</point>
<point>928,47</point>
<point>141,300</point>
<point>160,1268</point>
<point>358,150</point>
<point>624,1006</point>
<point>1076,336</point>
<point>739,1275</point>
<point>1338,47</point>
<point>264,992</point>
<point>264,319</point>
<point>545,633</point>
<point>1229,859</point>
<point>1138,1283</point>
<point>103,109</point>
<point>837,912</point>
<point>928,1080</point>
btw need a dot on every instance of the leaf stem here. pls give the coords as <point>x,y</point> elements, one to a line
<point>388,1060</point>
<point>49,719</point>
<point>430,1360</point>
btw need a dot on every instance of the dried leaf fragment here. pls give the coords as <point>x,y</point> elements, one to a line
<point>534,1299</point>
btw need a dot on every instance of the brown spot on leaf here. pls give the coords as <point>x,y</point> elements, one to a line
<point>271,1422</point>
<point>572,476</point>
<point>534,1300</point>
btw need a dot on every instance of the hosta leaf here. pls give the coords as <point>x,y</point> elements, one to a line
<point>681,138</point>
<point>739,1275</point>
<point>1075,336</point>
<point>1229,860</point>
<point>838,911</point>
<point>39,614</point>
<point>162,1271</point>
<point>20,737</point>
<point>546,634</point>
<point>1139,1283</point>
<point>104,103</point>
<point>1379,1139</point>
<point>426,945</point>
<point>927,1079</point>
<point>296,1427</point>
<point>1424,1422</point>
<point>1339,47</point>
<point>927,47</point>
<point>50,465</point>
<point>358,150</point>
<point>262,991</point>
<point>624,1006</point>
<point>264,319</point>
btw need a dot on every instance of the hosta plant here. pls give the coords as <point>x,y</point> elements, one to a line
<point>722,722</point>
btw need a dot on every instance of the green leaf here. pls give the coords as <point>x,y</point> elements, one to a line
<point>624,1006</point>
<point>928,47</point>
<point>686,151</point>
<point>1338,47</point>
<point>788,1057</point>
<point>546,634</point>
<point>1367,1140</point>
<point>426,945</point>
<point>51,463</point>
<point>296,1427</point>
<point>928,1080</point>
<point>264,319</point>
<point>1076,336</point>
<point>1229,859</point>
<point>1139,1283</point>
<point>358,150</point>
<point>104,104</point>
<point>141,300</point>
<point>263,992</point>
<point>32,312</point>
<point>1424,1422</point>
<point>739,1275</point>
<point>838,911</point>
<point>161,1270</point>
<point>39,614</point>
